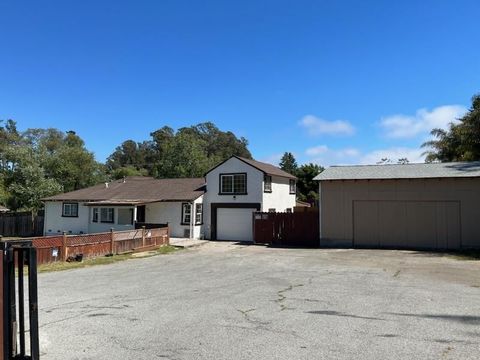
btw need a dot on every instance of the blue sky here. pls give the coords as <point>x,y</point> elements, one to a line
<point>334,82</point>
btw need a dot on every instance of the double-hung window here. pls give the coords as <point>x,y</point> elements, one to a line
<point>293,187</point>
<point>267,184</point>
<point>70,210</point>
<point>198,214</point>
<point>186,213</point>
<point>233,184</point>
<point>95,215</point>
<point>107,215</point>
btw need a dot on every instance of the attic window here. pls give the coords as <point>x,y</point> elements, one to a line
<point>70,210</point>
<point>233,184</point>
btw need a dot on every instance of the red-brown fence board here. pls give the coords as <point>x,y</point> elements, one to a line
<point>287,229</point>
<point>92,245</point>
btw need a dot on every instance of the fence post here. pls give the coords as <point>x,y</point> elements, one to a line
<point>168,232</point>
<point>112,242</point>
<point>143,236</point>
<point>64,246</point>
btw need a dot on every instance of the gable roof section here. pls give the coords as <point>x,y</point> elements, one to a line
<point>137,190</point>
<point>268,169</point>
<point>407,171</point>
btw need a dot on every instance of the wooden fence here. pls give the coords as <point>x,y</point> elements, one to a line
<point>63,247</point>
<point>21,224</point>
<point>287,229</point>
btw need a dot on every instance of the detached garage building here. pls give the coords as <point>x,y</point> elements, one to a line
<point>413,206</point>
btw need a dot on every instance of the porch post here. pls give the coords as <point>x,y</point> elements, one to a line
<point>192,215</point>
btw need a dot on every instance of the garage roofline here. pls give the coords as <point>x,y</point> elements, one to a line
<point>402,171</point>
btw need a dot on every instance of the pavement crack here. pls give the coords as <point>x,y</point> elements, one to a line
<point>245,312</point>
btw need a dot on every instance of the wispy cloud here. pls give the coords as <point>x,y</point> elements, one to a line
<point>325,156</point>
<point>409,126</point>
<point>316,126</point>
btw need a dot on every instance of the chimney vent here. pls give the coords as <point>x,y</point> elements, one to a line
<point>106,185</point>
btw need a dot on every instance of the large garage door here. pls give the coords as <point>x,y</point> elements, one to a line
<point>407,224</point>
<point>235,224</point>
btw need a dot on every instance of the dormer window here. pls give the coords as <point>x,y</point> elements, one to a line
<point>267,184</point>
<point>233,184</point>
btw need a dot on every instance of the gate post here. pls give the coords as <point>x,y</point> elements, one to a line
<point>16,255</point>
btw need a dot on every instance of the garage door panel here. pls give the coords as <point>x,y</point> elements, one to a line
<point>453,226</point>
<point>390,215</point>
<point>365,223</point>
<point>407,224</point>
<point>421,224</point>
<point>235,224</point>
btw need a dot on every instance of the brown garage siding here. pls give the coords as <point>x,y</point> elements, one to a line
<point>337,200</point>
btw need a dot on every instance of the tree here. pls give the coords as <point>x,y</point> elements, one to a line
<point>288,163</point>
<point>307,188</point>
<point>461,142</point>
<point>28,185</point>
<point>188,152</point>
<point>401,161</point>
<point>64,158</point>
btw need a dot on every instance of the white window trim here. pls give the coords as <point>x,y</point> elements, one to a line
<point>199,213</point>
<point>185,213</point>
<point>69,206</point>
<point>232,176</point>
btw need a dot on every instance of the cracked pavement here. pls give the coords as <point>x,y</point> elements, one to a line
<point>231,301</point>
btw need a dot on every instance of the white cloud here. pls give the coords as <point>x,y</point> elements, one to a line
<point>414,155</point>
<point>408,126</point>
<point>317,150</point>
<point>316,126</point>
<point>323,155</point>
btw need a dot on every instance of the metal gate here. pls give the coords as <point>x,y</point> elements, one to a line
<point>16,258</point>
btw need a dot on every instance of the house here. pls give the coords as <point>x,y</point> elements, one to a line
<point>414,206</point>
<point>128,203</point>
<point>236,188</point>
<point>219,206</point>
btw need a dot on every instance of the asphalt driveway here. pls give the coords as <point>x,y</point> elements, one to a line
<point>227,301</point>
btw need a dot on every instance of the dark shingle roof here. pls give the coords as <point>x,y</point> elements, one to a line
<point>407,171</point>
<point>268,169</point>
<point>137,189</point>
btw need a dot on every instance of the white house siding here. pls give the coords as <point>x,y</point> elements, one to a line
<point>280,198</point>
<point>171,213</point>
<point>55,223</point>
<point>103,227</point>
<point>233,165</point>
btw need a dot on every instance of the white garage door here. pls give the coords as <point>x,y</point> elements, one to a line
<point>235,224</point>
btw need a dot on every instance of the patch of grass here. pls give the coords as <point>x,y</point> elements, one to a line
<point>102,260</point>
<point>466,255</point>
